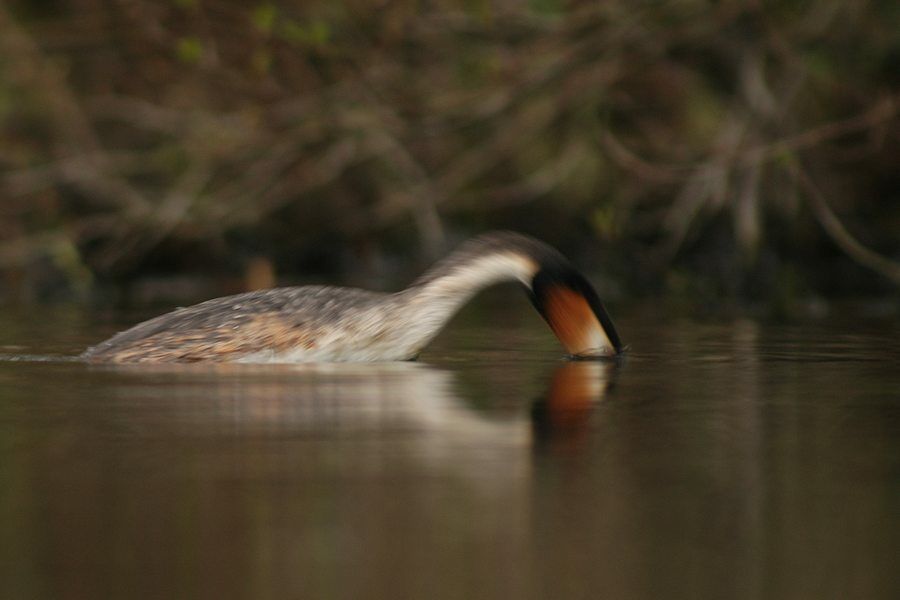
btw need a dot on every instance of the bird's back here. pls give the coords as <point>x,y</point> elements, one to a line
<point>280,320</point>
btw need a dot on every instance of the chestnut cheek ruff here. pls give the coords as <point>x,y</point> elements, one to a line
<point>573,311</point>
<point>572,320</point>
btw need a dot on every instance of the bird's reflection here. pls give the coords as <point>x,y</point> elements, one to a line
<point>413,401</point>
<point>318,468</point>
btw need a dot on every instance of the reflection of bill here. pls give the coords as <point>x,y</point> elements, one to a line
<point>562,415</point>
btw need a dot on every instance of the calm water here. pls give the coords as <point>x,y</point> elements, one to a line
<point>726,459</point>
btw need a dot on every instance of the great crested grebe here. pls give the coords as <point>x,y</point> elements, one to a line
<point>330,324</point>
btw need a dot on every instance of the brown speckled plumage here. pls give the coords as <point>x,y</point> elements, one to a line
<point>318,323</point>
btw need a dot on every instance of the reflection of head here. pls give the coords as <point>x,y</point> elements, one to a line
<point>563,413</point>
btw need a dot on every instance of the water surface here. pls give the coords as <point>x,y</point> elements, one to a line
<point>722,459</point>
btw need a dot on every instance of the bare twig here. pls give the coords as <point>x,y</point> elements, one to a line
<point>75,131</point>
<point>882,111</point>
<point>839,234</point>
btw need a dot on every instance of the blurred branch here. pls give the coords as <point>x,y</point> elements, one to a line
<point>28,69</point>
<point>172,123</point>
<point>646,170</point>
<point>879,113</point>
<point>838,232</point>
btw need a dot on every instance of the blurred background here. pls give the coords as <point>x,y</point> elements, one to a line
<point>703,162</point>
<point>716,152</point>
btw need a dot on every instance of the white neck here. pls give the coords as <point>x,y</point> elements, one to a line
<point>428,304</point>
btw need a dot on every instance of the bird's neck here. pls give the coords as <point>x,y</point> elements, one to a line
<point>427,305</point>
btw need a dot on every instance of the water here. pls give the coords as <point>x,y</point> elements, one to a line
<point>723,459</point>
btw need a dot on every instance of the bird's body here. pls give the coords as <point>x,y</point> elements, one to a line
<point>328,324</point>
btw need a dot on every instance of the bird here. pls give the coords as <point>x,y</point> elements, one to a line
<point>317,323</point>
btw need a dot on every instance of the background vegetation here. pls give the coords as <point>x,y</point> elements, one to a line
<point>737,148</point>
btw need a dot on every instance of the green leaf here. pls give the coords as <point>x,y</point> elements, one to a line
<point>263,17</point>
<point>316,33</point>
<point>189,50</point>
